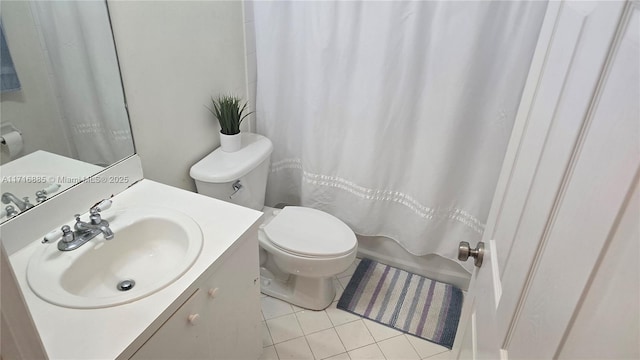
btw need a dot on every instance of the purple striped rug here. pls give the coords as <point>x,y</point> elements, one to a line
<point>404,301</point>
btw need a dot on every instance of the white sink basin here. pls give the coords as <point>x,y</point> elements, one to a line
<point>152,246</point>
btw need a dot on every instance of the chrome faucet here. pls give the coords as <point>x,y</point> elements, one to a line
<point>85,231</point>
<point>24,204</point>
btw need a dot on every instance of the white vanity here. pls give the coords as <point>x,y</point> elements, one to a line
<point>194,259</point>
<point>206,306</point>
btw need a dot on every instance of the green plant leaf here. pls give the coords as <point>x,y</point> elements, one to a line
<point>229,112</point>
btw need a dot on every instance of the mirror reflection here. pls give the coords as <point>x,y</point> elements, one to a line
<point>62,105</point>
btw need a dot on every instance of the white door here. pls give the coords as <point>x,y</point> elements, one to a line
<point>567,181</point>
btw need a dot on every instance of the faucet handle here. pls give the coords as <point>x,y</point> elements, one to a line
<point>41,196</point>
<point>101,206</point>
<point>11,211</point>
<point>51,189</point>
<point>67,235</point>
<point>27,204</point>
<point>52,236</point>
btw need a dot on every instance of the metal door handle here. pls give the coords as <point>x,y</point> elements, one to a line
<point>464,251</point>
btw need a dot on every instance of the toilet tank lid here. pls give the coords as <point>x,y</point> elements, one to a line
<point>220,166</point>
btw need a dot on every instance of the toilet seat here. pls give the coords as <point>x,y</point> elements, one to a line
<point>310,233</point>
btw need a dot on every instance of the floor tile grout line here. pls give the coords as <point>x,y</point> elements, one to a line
<point>339,338</point>
<point>283,341</point>
<point>276,350</point>
<point>309,346</point>
<point>333,326</point>
<point>375,322</point>
<point>414,348</point>
<point>369,331</point>
<point>336,355</point>
<point>348,322</point>
<point>268,332</point>
<point>313,332</point>
<point>375,343</point>
<point>422,339</point>
<point>374,339</point>
<point>441,352</point>
<point>287,339</point>
<point>305,336</point>
<point>330,356</point>
<point>279,316</point>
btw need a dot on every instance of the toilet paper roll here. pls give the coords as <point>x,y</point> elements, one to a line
<point>12,143</point>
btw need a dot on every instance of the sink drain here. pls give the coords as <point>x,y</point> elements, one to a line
<point>126,285</point>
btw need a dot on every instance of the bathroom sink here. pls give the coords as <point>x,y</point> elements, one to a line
<point>152,248</point>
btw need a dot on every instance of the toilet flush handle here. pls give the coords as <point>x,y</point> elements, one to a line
<point>237,186</point>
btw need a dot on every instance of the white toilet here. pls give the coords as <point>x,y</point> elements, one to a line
<point>301,249</point>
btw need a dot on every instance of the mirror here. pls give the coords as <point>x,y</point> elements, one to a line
<point>62,104</point>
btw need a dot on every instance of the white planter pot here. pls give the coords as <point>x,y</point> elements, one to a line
<point>230,143</point>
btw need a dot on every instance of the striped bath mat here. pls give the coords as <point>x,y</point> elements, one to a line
<point>404,301</point>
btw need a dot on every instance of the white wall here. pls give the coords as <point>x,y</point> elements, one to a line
<point>34,109</point>
<point>250,58</point>
<point>175,55</point>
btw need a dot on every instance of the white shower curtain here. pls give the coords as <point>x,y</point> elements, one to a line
<point>393,116</point>
<point>84,69</point>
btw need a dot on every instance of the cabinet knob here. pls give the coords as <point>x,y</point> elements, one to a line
<point>213,292</point>
<point>193,318</point>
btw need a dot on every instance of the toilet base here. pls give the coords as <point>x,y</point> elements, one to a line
<point>305,292</point>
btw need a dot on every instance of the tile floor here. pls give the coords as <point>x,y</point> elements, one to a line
<point>290,332</point>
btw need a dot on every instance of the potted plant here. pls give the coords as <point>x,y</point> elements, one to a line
<point>230,113</point>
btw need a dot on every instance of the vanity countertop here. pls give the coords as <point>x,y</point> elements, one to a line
<point>114,332</point>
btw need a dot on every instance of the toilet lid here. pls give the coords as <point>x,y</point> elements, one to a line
<point>310,232</point>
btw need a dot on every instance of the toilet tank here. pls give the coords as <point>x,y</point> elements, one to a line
<point>238,177</point>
